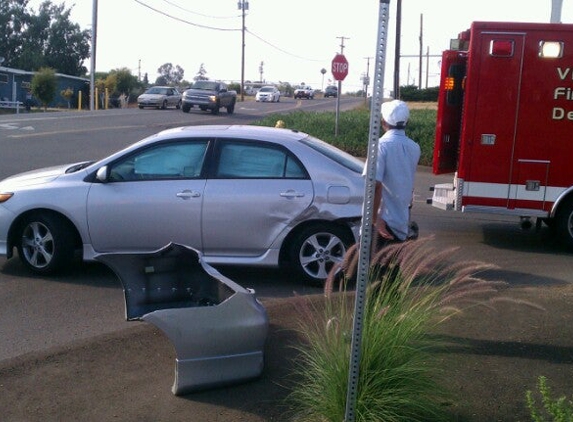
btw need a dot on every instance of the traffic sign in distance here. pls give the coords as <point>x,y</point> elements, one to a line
<point>339,67</point>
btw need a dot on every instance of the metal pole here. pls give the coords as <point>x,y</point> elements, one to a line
<point>397,54</point>
<point>243,4</point>
<point>93,55</point>
<point>367,212</point>
<point>421,51</point>
<point>337,110</point>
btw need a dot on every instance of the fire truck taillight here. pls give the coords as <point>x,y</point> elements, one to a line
<point>449,83</point>
<point>551,49</point>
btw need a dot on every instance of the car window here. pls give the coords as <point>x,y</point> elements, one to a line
<point>181,160</point>
<point>335,154</point>
<point>252,161</point>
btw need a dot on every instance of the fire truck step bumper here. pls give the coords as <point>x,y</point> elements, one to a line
<point>444,196</point>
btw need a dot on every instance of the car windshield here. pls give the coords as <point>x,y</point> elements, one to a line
<point>156,90</point>
<point>205,85</point>
<point>266,89</point>
<point>335,154</point>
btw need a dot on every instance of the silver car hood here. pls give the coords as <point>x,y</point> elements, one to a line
<point>34,177</point>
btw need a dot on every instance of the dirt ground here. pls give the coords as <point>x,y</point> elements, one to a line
<point>495,356</point>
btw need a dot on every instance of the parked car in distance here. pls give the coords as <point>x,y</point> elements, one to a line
<point>331,91</point>
<point>241,195</point>
<point>209,95</point>
<point>304,92</point>
<point>160,97</point>
<point>268,94</point>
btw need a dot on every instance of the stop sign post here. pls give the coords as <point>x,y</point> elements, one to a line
<point>339,67</point>
<point>339,70</point>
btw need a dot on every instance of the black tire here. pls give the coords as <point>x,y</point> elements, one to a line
<point>45,243</point>
<point>316,249</point>
<point>163,105</point>
<point>203,108</point>
<point>140,107</point>
<point>178,106</point>
<point>564,223</point>
<point>231,107</point>
<point>186,108</point>
<point>216,109</point>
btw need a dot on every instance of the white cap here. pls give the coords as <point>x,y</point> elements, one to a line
<point>395,113</point>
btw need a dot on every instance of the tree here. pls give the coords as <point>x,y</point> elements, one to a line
<point>13,21</point>
<point>125,82</point>
<point>201,74</point>
<point>31,40</point>
<point>44,84</point>
<point>169,75</point>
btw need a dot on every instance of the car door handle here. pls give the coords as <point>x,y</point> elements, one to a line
<point>188,194</point>
<point>292,194</point>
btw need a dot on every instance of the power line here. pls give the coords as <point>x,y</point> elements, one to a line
<point>282,50</point>
<point>200,14</point>
<point>186,21</point>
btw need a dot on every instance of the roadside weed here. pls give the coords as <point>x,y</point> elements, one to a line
<point>411,290</point>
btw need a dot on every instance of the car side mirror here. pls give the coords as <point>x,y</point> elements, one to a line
<point>102,174</point>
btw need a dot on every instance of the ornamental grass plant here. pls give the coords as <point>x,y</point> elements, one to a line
<point>411,290</point>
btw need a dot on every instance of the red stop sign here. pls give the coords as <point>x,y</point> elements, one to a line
<point>339,67</point>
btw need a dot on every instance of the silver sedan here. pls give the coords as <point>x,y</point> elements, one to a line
<point>160,97</point>
<point>241,195</point>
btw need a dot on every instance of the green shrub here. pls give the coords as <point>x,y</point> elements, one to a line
<point>410,292</point>
<point>354,126</point>
<point>558,410</point>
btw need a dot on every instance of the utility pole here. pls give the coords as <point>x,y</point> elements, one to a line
<point>421,51</point>
<point>367,77</point>
<point>342,43</point>
<point>261,71</point>
<point>243,6</point>
<point>93,55</point>
<point>397,54</point>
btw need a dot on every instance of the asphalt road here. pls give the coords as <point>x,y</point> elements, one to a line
<point>39,313</point>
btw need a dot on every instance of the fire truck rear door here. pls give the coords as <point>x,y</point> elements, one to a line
<point>491,117</point>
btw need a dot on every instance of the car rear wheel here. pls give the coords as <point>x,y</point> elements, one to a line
<point>316,249</point>
<point>45,243</point>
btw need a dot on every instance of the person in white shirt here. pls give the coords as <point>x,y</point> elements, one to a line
<point>398,157</point>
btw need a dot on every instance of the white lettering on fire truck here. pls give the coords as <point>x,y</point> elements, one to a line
<point>560,114</point>
<point>564,73</point>
<point>563,93</point>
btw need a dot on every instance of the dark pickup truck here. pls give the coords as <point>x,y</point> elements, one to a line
<point>209,95</point>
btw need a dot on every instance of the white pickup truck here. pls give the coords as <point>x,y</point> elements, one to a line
<point>304,92</point>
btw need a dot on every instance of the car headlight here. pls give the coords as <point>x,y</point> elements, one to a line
<point>4,196</point>
<point>212,98</point>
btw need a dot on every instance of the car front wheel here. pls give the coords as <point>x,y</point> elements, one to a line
<point>316,249</point>
<point>45,243</point>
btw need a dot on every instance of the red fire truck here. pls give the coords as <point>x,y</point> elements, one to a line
<point>505,123</point>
